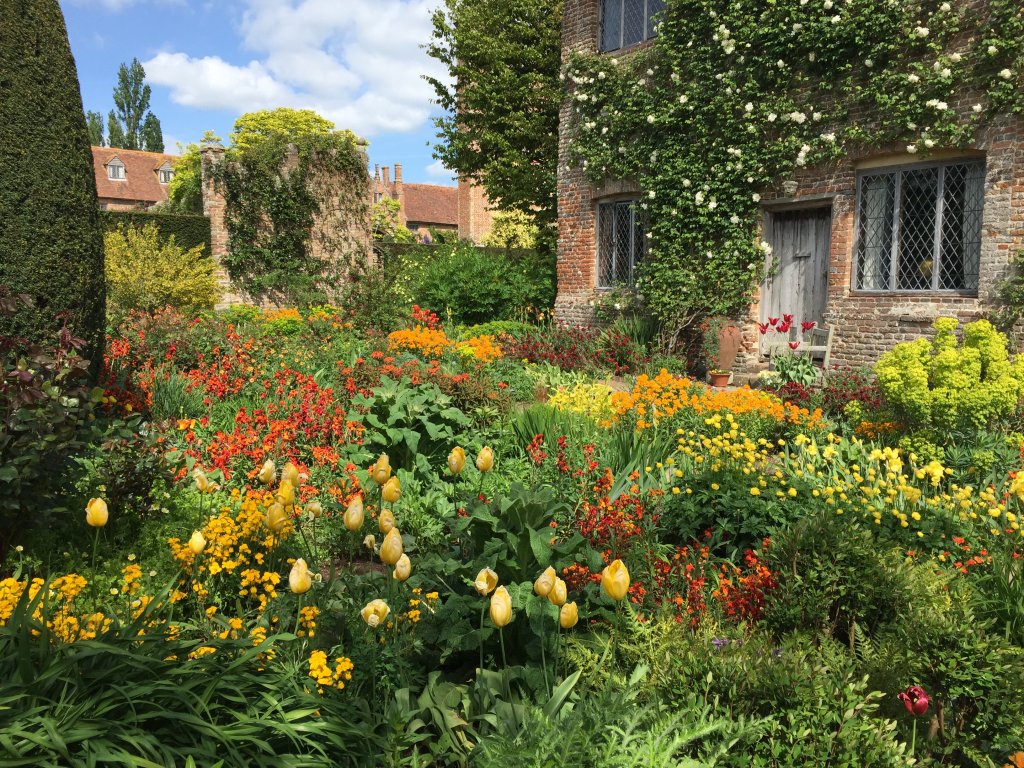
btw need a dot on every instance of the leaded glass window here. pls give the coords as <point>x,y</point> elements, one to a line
<point>620,243</point>
<point>627,22</point>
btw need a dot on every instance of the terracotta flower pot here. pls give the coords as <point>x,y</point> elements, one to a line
<point>720,379</point>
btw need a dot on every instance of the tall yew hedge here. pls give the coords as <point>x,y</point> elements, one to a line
<point>51,245</point>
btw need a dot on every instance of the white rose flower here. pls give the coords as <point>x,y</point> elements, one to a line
<point>828,5</point>
<point>912,149</point>
<point>929,143</point>
<point>650,72</point>
<point>712,204</point>
<point>955,58</point>
<point>748,107</point>
<point>1005,74</point>
<point>755,197</point>
<point>869,63</point>
<point>686,182</point>
<point>992,50</point>
<point>913,78</point>
<point>650,119</point>
<point>651,194</point>
<point>976,107</point>
<point>946,72</point>
<point>772,117</point>
<point>600,75</point>
<point>836,19</point>
<point>683,99</point>
<point>922,31</point>
<point>816,116</point>
<point>945,7</point>
<point>734,219</point>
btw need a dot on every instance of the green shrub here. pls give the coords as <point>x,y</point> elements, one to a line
<point>51,245</point>
<point>188,231</point>
<point>513,328</point>
<point>146,273</point>
<point>945,386</point>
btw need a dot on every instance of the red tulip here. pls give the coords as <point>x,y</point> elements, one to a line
<point>787,319</point>
<point>784,326</point>
<point>772,321</point>
<point>794,344</point>
<point>763,327</point>
<point>915,700</point>
<point>807,325</point>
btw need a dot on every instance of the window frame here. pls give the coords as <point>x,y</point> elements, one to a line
<point>649,25</point>
<point>122,174</point>
<point>163,171</point>
<point>603,206</point>
<point>898,171</point>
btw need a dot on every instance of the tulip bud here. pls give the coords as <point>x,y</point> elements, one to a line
<point>354,514</point>
<point>456,460</point>
<point>485,460</point>
<point>392,490</point>
<point>286,494</point>
<point>568,616</point>
<point>299,580</point>
<point>375,612</point>
<point>315,508</point>
<point>386,521</point>
<point>202,482</point>
<point>915,699</point>
<point>485,582</point>
<point>370,542</point>
<point>381,470</point>
<point>542,586</point>
<point>290,474</point>
<point>557,595</point>
<point>403,567</point>
<point>391,547</point>
<point>197,543</point>
<point>501,607</point>
<point>96,513</point>
<point>277,518</point>
<point>615,580</point>
<point>267,472</point>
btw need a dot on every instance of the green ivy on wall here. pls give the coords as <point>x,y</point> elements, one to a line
<point>734,96</point>
<point>271,212</point>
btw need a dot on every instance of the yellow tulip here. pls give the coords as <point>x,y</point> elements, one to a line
<point>277,518</point>
<point>381,470</point>
<point>96,513</point>
<point>386,521</point>
<point>375,612</point>
<point>286,494</point>
<point>299,580</point>
<point>615,580</point>
<point>403,567</point>
<point>542,586</point>
<point>197,543</point>
<point>354,514</point>
<point>392,490</point>
<point>267,472</point>
<point>290,474</point>
<point>485,582</point>
<point>202,482</point>
<point>456,460</point>
<point>501,607</point>
<point>485,460</point>
<point>391,547</point>
<point>370,542</point>
<point>557,595</point>
<point>314,508</point>
<point>568,616</point>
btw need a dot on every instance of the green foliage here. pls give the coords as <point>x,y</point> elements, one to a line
<point>731,97</point>
<point>136,126</point>
<point>152,134</point>
<point>512,229</point>
<point>948,386</point>
<point>94,121</point>
<point>271,213</point>
<point>189,231</point>
<point>501,98</point>
<point>369,297</point>
<point>793,367</point>
<point>51,246</point>
<point>185,192</point>
<point>385,223</point>
<point>478,285</point>
<point>512,328</point>
<point>145,274</point>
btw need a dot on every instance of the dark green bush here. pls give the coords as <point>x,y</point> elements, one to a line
<point>51,244</point>
<point>188,231</point>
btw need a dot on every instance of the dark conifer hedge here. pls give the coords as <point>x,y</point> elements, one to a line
<point>51,245</point>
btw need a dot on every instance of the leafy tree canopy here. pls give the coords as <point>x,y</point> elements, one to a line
<point>282,123</point>
<point>502,99</point>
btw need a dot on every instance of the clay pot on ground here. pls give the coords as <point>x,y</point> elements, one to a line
<point>720,378</point>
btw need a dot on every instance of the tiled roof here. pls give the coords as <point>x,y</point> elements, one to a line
<point>141,183</point>
<point>432,204</point>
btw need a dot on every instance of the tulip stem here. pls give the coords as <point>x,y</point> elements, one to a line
<point>95,545</point>
<point>482,610</point>
<point>543,658</point>
<point>913,738</point>
<point>298,616</point>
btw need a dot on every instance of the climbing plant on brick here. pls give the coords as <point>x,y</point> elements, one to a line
<point>732,97</point>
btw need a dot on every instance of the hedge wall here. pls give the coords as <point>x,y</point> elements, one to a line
<point>189,231</point>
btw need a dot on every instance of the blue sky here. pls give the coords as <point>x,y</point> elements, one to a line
<point>358,62</point>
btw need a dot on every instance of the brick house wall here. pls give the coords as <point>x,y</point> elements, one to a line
<point>867,324</point>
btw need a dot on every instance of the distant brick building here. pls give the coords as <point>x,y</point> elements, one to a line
<point>129,179</point>
<point>877,244</point>
<point>462,209</point>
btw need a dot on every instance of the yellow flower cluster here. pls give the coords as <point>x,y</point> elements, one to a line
<point>307,620</point>
<point>272,315</point>
<point>425,341</point>
<point>482,347</point>
<point>591,400</point>
<point>326,676</point>
<point>55,607</point>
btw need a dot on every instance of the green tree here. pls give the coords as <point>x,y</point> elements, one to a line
<point>511,229</point>
<point>131,105</point>
<point>185,192</point>
<point>51,246</point>
<point>502,101</point>
<point>94,120</point>
<point>152,135</point>
<point>146,273</point>
<point>386,224</point>
<point>282,123</point>
<point>115,133</point>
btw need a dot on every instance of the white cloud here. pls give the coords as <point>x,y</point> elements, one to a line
<point>359,63</point>
<point>437,171</point>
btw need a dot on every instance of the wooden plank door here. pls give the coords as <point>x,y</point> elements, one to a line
<point>798,286</point>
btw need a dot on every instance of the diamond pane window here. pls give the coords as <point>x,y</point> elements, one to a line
<point>919,228</point>
<point>627,22</point>
<point>620,243</point>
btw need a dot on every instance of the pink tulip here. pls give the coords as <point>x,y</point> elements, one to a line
<point>915,699</point>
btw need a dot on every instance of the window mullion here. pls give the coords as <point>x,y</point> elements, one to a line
<point>940,205</point>
<point>622,23</point>
<point>894,250</point>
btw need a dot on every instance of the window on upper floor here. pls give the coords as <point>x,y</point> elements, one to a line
<point>165,173</point>
<point>115,170</point>
<point>625,23</point>
<point>919,227</point>
<point>620,243</point>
